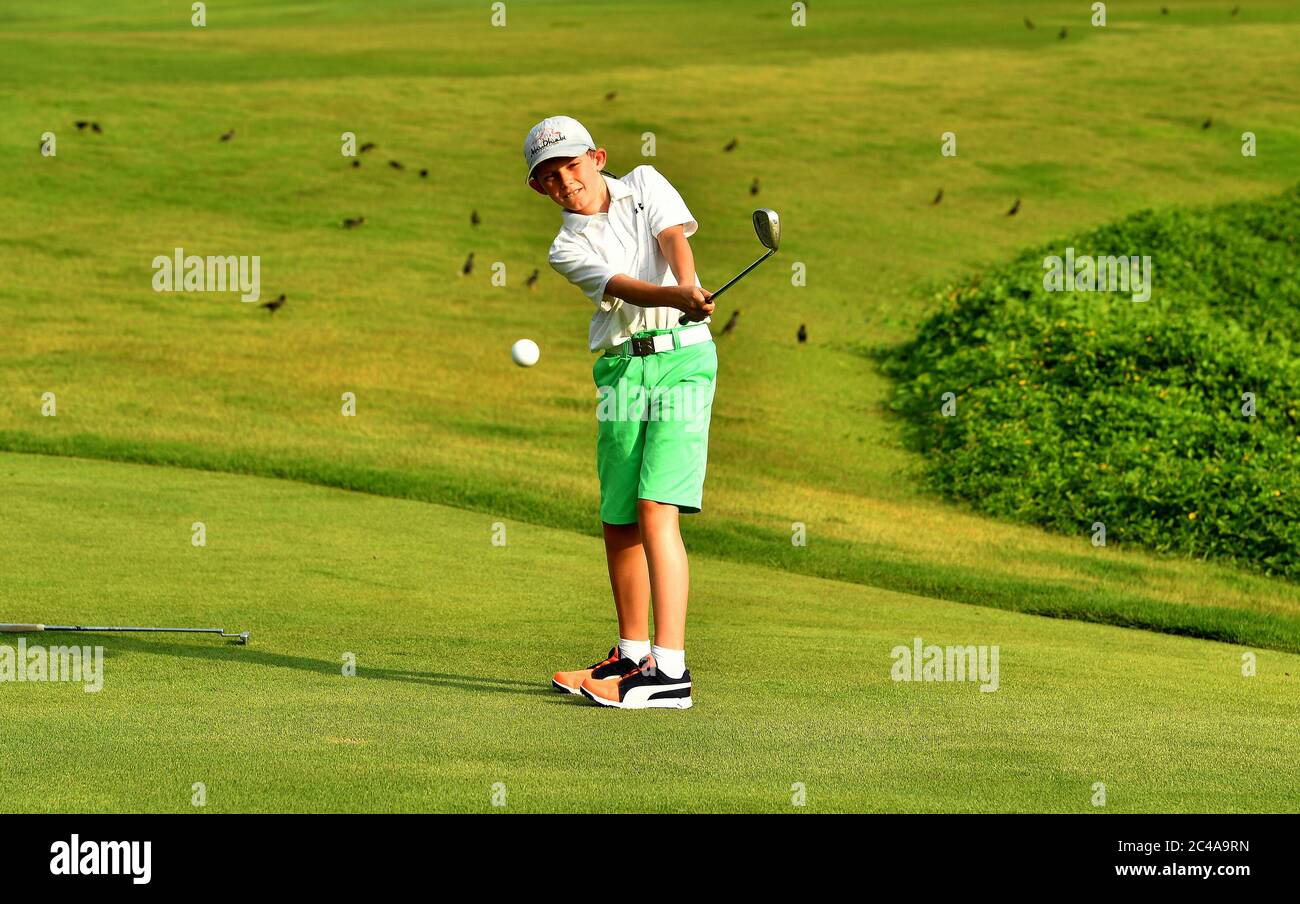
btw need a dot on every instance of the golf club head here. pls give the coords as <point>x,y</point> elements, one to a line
<point>767,225</point>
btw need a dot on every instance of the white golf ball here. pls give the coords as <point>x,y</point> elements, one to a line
<point>525,352</point>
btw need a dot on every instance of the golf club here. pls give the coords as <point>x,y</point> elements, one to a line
<point>34,629</point>
<point>767,225</point>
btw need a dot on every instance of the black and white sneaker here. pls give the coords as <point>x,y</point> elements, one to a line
<point>644,688</point>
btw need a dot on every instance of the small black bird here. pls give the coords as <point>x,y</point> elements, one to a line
<point>731,145</point>
<point>473,218</point>
<point>229,135</point>
<point>1164,10</point>
<point>356,163</point>
<point>395,165</point>
<point>1015,208</point>
<point>94,127</point>
<point>802,335</point>
<point>367,147</point>
<point>1235,10</point>
<point>532,280</point>
<point>1064,32</point>
<point>274,305</point>
<point>353,223</point>
<point>938,197</point>
<point>1029,23</point>
<point>731,322</point>
<point>81,124</point>
<point>753,189</point>
<point>424,174</point>
<point>469,265</point>
<point>1209,121</point>
<point>611,95</point>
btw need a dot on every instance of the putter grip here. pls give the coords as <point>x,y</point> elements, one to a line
<point>21,629</point>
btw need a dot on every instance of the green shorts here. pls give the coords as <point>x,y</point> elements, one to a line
<point>652,416</point>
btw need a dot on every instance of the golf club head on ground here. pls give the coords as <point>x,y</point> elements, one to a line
<point>767,225</point>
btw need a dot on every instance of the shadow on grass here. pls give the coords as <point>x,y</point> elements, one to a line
<point>116,644</point>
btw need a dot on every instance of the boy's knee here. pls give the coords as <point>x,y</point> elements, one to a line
<point>649,510</point>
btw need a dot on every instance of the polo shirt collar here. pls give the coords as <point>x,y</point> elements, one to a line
<point>577,222</point>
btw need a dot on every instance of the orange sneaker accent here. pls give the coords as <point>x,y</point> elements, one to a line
<point>606,688</point>
<point>572,680</point>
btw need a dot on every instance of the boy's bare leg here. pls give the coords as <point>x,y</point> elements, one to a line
<point>629,578</point>
<point>669,574</point>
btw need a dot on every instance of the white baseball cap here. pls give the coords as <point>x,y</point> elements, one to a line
<point>556,136</point>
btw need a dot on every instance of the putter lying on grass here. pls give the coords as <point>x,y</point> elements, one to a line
<point>767,225</point>
<point>35,629</point>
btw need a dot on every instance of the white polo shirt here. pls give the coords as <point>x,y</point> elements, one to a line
<point>590,250</point>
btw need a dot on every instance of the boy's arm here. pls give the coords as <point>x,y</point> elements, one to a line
<point>685,296</point>
<point>676,249</point>
<point>591,274</point>
<point>689,299</point>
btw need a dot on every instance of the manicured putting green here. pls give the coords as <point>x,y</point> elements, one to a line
<point>454,639</point>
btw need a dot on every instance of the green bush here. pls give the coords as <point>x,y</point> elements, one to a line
<point>1078,407</point>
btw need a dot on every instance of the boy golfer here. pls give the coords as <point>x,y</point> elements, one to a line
<point>624,244</point>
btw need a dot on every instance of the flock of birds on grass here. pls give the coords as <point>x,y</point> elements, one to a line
<point>1063,34</point>
<point>475,220</point>
<point>1164,11</point>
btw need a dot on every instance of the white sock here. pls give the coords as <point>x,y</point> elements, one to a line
<point>671,663</point>
<point>635,650</point>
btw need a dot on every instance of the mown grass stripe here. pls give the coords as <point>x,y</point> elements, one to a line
<point>828,558</point>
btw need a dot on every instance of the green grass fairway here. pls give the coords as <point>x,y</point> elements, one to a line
<point>454,640</point>
<point>370,534</point>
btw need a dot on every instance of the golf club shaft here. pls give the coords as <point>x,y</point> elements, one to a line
<point>33,629</point>
<point>735,279</point>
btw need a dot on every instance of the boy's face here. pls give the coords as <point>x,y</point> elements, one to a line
<point>575,183</point>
